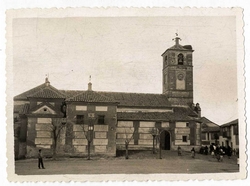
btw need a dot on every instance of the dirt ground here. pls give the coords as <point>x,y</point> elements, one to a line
<point>138,163</point>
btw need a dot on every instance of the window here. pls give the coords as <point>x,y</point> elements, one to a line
<point>215,136</point>
<point>101,119</point>
<point>237,140</point>
<point>180,59</point>
<point>79,119</point>
<point>235,129</point>
<point>166,60</point>
<point>187,124</point>
<point>203,136</point>
<point>184,138</point>
<point>166,79</point>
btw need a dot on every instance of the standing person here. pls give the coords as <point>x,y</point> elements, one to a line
<point>193,152</point>
<point>229,152</point>
<point>206,150</point>
<point>211,148</point>
<point>40,159</point>
<point>179,151</point>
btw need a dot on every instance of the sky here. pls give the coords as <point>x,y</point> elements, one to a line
<point>123,54</point>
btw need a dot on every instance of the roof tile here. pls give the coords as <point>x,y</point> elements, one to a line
<point>41,91</point>
<point>179,114</point>
<point>91,96</point>
<point>47,92</point>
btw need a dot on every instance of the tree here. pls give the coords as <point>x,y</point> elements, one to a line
<point>128,138</point>
<point>88,131</point>
<point>56,127</point>
<point>153,132</point>
<point>159,131</point>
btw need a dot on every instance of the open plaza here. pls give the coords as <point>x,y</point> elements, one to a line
<point>138,163</point>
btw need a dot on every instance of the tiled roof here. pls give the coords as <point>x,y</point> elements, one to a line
<point>177,47</point>
<point>71,93</point>
<point>234,122</point>
<point>139,99</point>
<point>126,98</point>
<point>41,91</point>
<point>91,96</point>
<point>179,114</point>
<point>180,47</point>
<point>209,126</point>
<point>48,92</point>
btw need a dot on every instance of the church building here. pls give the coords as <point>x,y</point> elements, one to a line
<point>68,121</point>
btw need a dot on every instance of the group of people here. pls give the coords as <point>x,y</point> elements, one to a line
<point>217,151</point>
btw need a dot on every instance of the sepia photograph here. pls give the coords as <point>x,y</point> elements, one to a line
<point>104,93</point>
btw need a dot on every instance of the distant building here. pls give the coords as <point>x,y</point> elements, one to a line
<point>229,135</point>
<point>209,132</point>
<point>116,116</point>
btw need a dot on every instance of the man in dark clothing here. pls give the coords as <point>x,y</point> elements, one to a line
<point>193,153</point>
<point>206,150</point>
<point>40,159</point>
<point>229,152</point>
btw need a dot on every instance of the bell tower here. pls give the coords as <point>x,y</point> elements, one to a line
<point>177,73</point>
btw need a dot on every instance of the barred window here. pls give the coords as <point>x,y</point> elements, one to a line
<point>101,119</point>
<point>184,138</point>
<point>79,119</point>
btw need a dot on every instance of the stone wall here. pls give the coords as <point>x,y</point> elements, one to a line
<point>103,135</point>
<point>140,133</point>
<point>99,143</point>
<point>177,80</point>
<point>40,136</point>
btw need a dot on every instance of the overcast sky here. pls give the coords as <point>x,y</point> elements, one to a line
<point>123,54</point>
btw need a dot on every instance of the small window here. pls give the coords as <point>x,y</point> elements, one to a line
<point>166,79</point>
<point>79,119</point>
<point>187,124</point>
<point>235,129</point>
<point>203,136</point>
<point>101,119</point>
<point>166,60</point>
<point>180,59</point>
<point>184,138</point>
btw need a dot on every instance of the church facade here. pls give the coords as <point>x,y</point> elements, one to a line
<point>69,121</point>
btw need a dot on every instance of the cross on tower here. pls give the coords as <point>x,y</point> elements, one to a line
<point>176,39</point>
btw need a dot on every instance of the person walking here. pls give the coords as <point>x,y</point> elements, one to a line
<point>193,153</point>
<point>179,151</point>
<point>229,152</point>
<point>40,159</point>
<point>206,150</point>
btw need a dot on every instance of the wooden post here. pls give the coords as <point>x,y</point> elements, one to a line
<point>153,144</point>
<point>88,149</point>
<point>126,146</point>
<point>160,149</point>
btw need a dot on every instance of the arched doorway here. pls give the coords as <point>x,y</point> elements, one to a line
<point>165,140</point>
